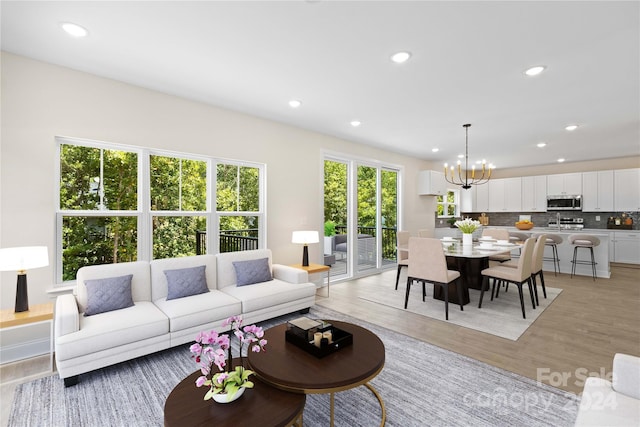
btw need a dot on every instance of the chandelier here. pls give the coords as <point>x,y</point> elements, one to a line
<point>469,178</point>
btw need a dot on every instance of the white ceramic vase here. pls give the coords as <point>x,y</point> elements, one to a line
<point>467,239</point>
<point>224,397</point>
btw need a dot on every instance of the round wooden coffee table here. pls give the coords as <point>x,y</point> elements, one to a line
<point>288,367</point>
<point>263,405</point>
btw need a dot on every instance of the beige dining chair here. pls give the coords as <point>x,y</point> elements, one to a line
<point>425,232</point>
<point>429,264</point>
<point>497,234</point>
<point>518,276</point>
<point>537,259</point>
<point>402,239</point>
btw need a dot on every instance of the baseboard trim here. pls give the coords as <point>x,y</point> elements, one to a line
<point>24,350</point>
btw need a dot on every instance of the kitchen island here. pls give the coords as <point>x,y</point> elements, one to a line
<point>565,249</point>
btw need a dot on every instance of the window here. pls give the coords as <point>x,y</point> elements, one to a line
<point>118,204</point>
<point>98,201</point>
<point>448,206</point>
<point>238,202</point>
<point>178,192</point>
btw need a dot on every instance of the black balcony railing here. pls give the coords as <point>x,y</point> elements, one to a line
<point>247,239</point>
<point>389,241</point>
<point>230,240</point>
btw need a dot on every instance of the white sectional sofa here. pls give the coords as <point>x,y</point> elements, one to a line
<point>152,322</point>
<point>615,402</point>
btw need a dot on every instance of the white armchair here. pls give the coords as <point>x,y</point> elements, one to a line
<point>613,403</point>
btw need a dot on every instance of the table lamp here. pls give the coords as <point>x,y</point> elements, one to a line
<point>22,259</point>
<point>305,237</point>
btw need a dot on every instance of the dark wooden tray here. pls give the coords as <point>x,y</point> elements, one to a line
<point>340,339</point>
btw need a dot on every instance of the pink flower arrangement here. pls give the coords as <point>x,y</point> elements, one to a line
<point>212,349</point>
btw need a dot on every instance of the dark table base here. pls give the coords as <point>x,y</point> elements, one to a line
<point>471,274</point>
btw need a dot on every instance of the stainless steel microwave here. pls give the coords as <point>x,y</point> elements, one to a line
<point>564,203</point>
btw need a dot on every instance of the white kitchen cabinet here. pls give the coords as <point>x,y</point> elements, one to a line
<point>534,193</point>
<point>565,183</point>
<point>626,247</point>
<point>431,183</point>
<point>597,191</point>
<point>482,197</point>
<point>496,195</point>
<point>505,195</point>
<point>626,184</point>
<point>475,199</point>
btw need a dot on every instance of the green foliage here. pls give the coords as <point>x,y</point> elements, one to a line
<point>97,240</point>
<point>237,189</point>
<point>102,180</point>
<point>335,200</point>
<point>335,192</point>
<point>329,228</point>
<point>175,236</point>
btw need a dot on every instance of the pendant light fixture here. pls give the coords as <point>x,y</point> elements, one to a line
<point>469,178</point>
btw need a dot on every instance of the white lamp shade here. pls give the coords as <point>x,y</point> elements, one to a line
<point>305,237</point>
<point>23,258</point>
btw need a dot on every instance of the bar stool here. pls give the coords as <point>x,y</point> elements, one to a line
<point>553,240</point>
<point>517,237</point>
<point>585,241</point>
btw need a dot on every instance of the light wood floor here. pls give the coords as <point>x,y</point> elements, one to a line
<point>578,334</point>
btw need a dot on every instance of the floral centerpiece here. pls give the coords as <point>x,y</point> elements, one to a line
<point>212,350</point>
<point>467,226</point>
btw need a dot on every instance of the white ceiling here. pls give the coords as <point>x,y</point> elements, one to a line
<point>467,67</point>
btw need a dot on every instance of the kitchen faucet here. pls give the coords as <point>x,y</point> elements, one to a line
<point>558,220</point>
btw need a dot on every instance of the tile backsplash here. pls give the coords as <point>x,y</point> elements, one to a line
<point>543,218</point>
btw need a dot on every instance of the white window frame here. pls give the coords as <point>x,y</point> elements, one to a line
<point>143,213</point>
<point>353,162</point>
<point>445,204</point>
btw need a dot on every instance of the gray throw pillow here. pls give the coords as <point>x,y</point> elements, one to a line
<point>112,293</point>
<point>252,271</point>
<point>185,282</point>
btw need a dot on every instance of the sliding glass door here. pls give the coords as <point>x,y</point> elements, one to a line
<point>367,218</point>
<point>361,205</point>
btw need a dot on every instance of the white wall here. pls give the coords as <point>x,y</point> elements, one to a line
<point>41,101</point>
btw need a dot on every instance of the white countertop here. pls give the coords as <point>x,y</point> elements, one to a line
<point>593,231</point>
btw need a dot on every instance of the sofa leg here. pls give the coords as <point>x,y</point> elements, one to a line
<point>304,310</point>
<point>71,381</point>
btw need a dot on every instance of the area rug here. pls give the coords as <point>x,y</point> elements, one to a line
<point>421,385</point>
<point>501,317</point>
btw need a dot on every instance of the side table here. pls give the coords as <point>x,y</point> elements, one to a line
<point>37,314</point>
<point>315,268</point>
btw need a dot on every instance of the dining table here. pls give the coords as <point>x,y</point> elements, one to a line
<point>469,260</point>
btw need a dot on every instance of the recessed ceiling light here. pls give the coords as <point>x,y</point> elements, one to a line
<point>294,103</point>
<point>400,57</point>
<point>560,160</point>
<point>541,144</point>
<point>435,150</point>
<point>534,71</point>
<point>74,30</point>
<point>461,156</point>
<point>571,128</point>
<point>355,123</point>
